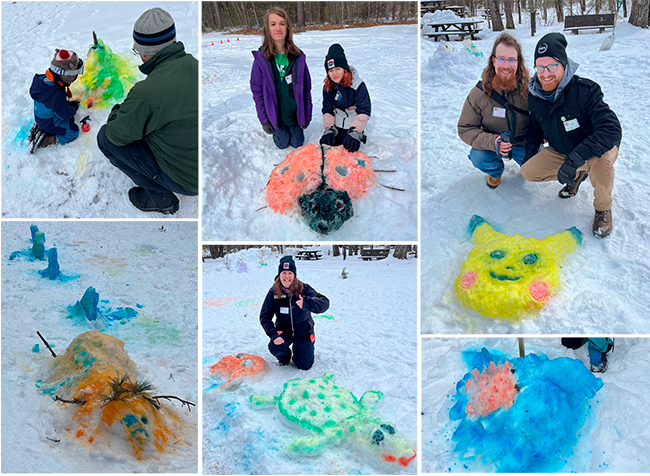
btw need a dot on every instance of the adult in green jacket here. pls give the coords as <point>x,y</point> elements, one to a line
<point>153,135</point>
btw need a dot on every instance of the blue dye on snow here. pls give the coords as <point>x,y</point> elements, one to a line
<point>130,420</point>
<point>32,229</point>
<point>87,307</point>
<point>39,246</point>
<point>52,271</point>
<point>541,428</point>
<point>36,349</point>
<point>120,313</point>
<point>139,306</point>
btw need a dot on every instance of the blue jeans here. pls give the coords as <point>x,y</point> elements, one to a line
<point>490,163</point>
<point>285,136</point>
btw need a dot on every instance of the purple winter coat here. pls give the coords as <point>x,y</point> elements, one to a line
<point>263,88</point>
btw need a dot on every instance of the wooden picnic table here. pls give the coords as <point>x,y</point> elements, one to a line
<point>309,255</point>
<point>461,28</point>
<point>459,10</point>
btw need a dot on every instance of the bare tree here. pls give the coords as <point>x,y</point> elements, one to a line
<point>507,6</point>
<point>497,24</point>
<point>559,10</point>
<point>639,13</point>
<point>300,22</point>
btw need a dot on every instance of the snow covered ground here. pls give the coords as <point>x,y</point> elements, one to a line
<point>616,435</point>
<point>74,180</point>
<point>150,267</point>
<point>367,339</point>
<point>604,283</point>
<point>238,156</point>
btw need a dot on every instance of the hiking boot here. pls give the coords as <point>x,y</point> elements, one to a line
<point>40,139</point>
<point>602,223</point>
<point>602,365</point>
<point>493,182</point>
<point>567,191</point>
<point>32,133</point>
<point>142,201</point>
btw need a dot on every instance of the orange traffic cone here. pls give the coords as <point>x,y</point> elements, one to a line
<point>222,42</point>
<point>237,38</point>
<point>228,40</point>
<point>212,44</point>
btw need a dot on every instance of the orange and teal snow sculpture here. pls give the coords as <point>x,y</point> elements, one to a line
<point>107,77</point>
<point>99,381</point>
<point>234,368</point>
<point>334,415</point>
<point>509,276</point>
<point>321,181</point>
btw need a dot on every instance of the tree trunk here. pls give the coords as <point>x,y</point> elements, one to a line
<point>624,8</point>
<point>497,24</point>
<point>583,7</point>
<point>639,13</point>
<point>335,250</point>
<point>218,15</point>
<point>300,22</point>
<point>559,10</point>
<point>507,6</point>
<point>401,251</point>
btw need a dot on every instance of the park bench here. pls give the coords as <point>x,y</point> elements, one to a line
<point>575,23</point>
<point>368,254</point>
<point>309,255</point>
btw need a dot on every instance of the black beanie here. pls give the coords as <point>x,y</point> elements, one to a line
<point>287,264</point>
<point>553,45</point>
<point>336,58</point>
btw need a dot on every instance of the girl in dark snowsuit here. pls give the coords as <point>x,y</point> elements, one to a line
<point>280,82</point>
<point>291,302</point>
<point>346,103</point>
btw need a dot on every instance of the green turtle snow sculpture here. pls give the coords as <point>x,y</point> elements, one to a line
<point>334,414</point>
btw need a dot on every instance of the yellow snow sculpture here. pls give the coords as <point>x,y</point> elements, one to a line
<point>98,380</point>
<point>509,276</point>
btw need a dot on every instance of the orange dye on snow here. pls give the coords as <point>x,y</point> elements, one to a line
<point>233,367</point>
<point>491,389</point>
<point>349,171</point>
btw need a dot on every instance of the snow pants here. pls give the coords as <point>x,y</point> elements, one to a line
<point>137,161</point>
<point>543,167</point>
<point>487,161</point>
<point>303,350</point>
<point>597,347</point>
<point>285,136</point>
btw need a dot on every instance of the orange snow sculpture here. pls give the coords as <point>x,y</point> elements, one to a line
<point>493,388</point>
<point>348,171</point>
<point>234,368</point>
<point>98,380</point>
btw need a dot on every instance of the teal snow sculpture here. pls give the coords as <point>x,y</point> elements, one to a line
<point>87,307</point>
<point>523,414</point>
<point>33,229</point>
<point>39,245</point>
<point>334,414</point>
<point>52,271</point>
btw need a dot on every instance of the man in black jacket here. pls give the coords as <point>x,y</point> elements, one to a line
<point>583,133</point>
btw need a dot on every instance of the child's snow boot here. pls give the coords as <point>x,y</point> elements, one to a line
<point>41,139</point>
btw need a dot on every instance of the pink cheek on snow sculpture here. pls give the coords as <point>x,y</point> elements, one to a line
<point>468,279</point>
<point>539,291</point>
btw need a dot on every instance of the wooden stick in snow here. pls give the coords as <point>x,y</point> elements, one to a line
<point>46,344</point>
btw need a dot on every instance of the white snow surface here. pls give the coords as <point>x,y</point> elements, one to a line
<point>616,435</point>
<point>72,180</point>
<point>604,287</point>
<point>370,344</point>
<point>238,156</point>
<point>127,264</point>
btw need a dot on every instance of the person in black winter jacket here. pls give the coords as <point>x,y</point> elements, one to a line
<point>291,302</point>
<point>583,133</point>
<point>346,103</point>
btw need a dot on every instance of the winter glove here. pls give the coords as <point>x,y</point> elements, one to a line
<point>305,126</point>
<point>329,136</point>
<point>353,141</point>
<point>567,172</point>
<point>74,105</point>
<point>268,128</point>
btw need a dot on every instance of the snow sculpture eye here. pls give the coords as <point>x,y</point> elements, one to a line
<point>388,428</point>
<point>377,436</point>
<point>531,258</point>
<point>497,254</point>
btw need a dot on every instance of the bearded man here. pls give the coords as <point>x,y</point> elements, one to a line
<point>497,104</point>
<point>583,133</point>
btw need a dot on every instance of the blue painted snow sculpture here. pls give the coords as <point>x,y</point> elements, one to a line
<point>534,429</point>
<point>39,245</point>
<point>52,271</point>
<point>33,229</point>
<point>87,307</point>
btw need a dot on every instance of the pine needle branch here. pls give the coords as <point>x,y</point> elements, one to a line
<point>170,397</point>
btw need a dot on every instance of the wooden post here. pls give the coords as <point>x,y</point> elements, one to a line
<point>522,352</point>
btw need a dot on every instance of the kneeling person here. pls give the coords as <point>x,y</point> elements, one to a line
<point>583,133</point>
<point>153,136</point>
<point>53,113</point>
<point>498,103</point>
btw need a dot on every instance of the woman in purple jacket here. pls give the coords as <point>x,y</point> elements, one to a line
<point>280,82</point>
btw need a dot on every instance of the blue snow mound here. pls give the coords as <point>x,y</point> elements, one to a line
<point>88,309</point>
<point>539,432</point>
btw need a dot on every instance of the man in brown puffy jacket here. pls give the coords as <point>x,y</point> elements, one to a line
<point>495,116</point>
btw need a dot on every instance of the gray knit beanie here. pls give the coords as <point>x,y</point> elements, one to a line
<point>154,31</point>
